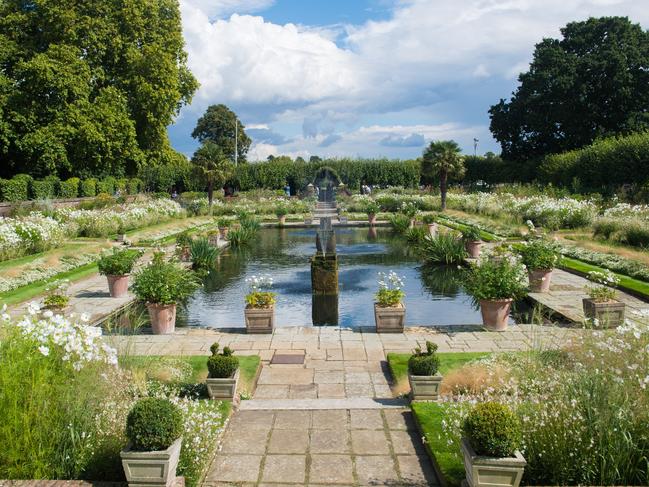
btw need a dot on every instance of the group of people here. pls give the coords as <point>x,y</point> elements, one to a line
<point>365,189</point>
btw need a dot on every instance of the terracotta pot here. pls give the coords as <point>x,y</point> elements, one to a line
<point>371,218</point>
<point>482,471</point>
<point>540,280</point>
<point>154,468</point>
<point>185,254</point>
<point>389,319</point>
<point>282,220</point>
<point>432,229</point>
<point>224,232</point>
<point>495,313</point>
<point>163,318</point>
<point>473,248</point>
<point>117,286</point>
<point>609,314</point>
<point>260,320</point>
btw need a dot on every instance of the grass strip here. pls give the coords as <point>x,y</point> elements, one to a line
<point>633,286</point>
<point>484,234</point>
<point>448,361</point>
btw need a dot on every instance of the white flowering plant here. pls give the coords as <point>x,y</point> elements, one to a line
<point>57,295</point>
<point>257,297</point>
<point>390,291</point>
<point>604,290</point>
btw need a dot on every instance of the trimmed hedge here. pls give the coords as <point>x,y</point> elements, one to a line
<point>44,189</point>
<point>69,188</point>
<point>88,187</point>
<point>23,187</point>
<point>15,189</point>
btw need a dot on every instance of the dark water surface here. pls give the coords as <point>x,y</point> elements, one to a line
<point>433,296</point>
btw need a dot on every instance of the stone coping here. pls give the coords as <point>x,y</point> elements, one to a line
<point>322,404</point>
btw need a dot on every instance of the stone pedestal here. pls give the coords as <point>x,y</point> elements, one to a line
<point>324,274</point>
<point>324,309</point>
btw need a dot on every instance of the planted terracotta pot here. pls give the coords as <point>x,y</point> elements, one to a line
<point>483,471</point>
<point>117,286</point>
<point>185,254</point>
<point>224,232</point>
<point>473,248</point>
<point>163,318</point>
<point>260,320</point>
<point>282,220</point>
<point>424,387</point>
<point>432,229</point>
<point>371,218</point>
<point>223,389</point>
<point>609,314</point>
<point>495,313</point>
<point>540,280</point>
<point>389,319</point>
<point>155,468</point>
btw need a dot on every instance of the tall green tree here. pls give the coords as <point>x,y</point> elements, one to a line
<point>219,125</point>
<point>89,87</point>
<point>591,83</point>
<point>212,167</point>
<point>442,159</point>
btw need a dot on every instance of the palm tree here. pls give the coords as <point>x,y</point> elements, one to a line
<point>442,159</point>
<point>212,167</point>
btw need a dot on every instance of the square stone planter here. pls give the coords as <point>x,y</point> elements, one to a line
<point>151,468</point>
<point>343,220</point>
<point>609,314</point>
<point>308,221</point>
<point>491,471</point>
<point>390,319</point>
<point>424,387</point>
<point>223,389</point>
<point>260,320</point>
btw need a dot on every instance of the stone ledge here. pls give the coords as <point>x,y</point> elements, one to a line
<point>319,404</point>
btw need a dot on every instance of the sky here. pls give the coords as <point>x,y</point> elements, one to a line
<point>367,78</point>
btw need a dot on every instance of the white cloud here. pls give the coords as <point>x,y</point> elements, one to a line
<point>213,8</point>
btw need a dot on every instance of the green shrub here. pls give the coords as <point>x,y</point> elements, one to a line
<point>471,234</point>
<point>163,282</point>
<point>238,237</point>
<point>106,185</point>
<point>416,235</point>
<point>493,430</point>
<point>69,188</point>
<point>203,254</point>
<point>118,262</point>
<point>429,219</point>
<point>605,227</point>
<point>153,424</point>
<point>89,188</point>
<point>221,365</point>
<point>494,279</point>
<point>445,248</point>
<point>540,254</point>
<point>400,223</point>
<point>121,185</point>
<point>15,189</point>
<point>44,189</point>
<point>424,363</point>
<point>134,186</point>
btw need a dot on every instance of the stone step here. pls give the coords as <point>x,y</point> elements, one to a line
<point>317,404</point>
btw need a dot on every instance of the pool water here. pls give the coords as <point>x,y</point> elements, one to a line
<point>433,294</point>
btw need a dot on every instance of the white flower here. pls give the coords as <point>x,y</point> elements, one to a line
<point>44,350</point>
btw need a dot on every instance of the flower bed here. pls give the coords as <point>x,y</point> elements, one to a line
<point>30,234</point>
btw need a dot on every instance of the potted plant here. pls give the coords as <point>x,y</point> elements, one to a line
<point>117,266</point>
<point>495,283</point>
<point>389,311</point>
<point>410,210</point>
<point>431,222</point>
<point>260,305</point>
<point>213,237</point>
<point>492,437</point>
<point>308,219</point>
<point>161,286</point>
<point>422,374</point>
<point>372,208</point>
<point>601,307</point>
<point>57,298</point>
<point>472,241</point>
<point>183,242</point>
<point>223,373</point>
<point>154,428</point>
<point>342,215</point>
<point>281,211</point>
<point>540,257</point>
<point>224,226</point>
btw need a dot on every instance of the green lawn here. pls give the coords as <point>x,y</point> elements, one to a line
<point>484,235</point>
<point>626,282</point>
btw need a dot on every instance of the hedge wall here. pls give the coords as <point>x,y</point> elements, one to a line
<point>23,187</point>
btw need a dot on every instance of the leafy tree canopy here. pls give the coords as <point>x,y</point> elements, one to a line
<point>218,126</point>
<point>592,83</point>
<point>442,159</point>
<point>89,88</point>
<point>211,167</point>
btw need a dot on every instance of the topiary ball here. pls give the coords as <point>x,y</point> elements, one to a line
<point>153,424</point>
<point>424,363</point>
<point>493,430</point>
<point>222,366</point>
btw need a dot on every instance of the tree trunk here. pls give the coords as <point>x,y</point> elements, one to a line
<point>442,187</point>
<point>210,193</point>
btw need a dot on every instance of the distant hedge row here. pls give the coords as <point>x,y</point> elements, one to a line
<point>23,187</point>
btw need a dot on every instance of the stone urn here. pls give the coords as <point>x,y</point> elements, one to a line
<point>117,286</point>
<point>223,231</point>
<point>223,389</point>
<point>424,387</point>
<point>540,280</point>
<point>154,468</point>
<point>432,229</point>
<point>473,248</point>
<point>308,220</point>
<point>389,319</point>
<point>495,313</point>
<point>609,314</point>
<point>163,318</point>
<point>371,218</point>
<point>260,320</point>
<point>282,220</point>
<point>483,471</point>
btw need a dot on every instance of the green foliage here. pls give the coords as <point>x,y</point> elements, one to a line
<point>203,254</point>
<point>260,299</point>
<point>446,248</point>
<point>400,223</point>
<point>174,171</point>
<point>88,188</point>
<point>416,235</point>
<point>238,237</point>
<point>221,365</point>
<point>217,125</point>
<point>16,189</point>
<point>56,301</point>
<point>106,186</point>
<point>69,188</point>
<point>424,362</point>
<point>442,160</point>
<point>163,282</point>
<point>540,254</point>
<point>592,83</point>
<point>134,186</point>
<point>281,209</point>
<point>118,262</point>
<point>493,430</point>
<point>44,189</point>
<point>496,278</point>
<point>471,234</point>
<point>429,219</point>
<point>224,223</point>
<point>153,424</point>
<point>211,167</point>
<point>371,207</point>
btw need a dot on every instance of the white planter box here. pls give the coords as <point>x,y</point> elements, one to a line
<point>260,320</point>
<point>151,468</point>
<point>223,389</point>
<point>389,319</point>
<point>491,471</point>
<point>424,387</point>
